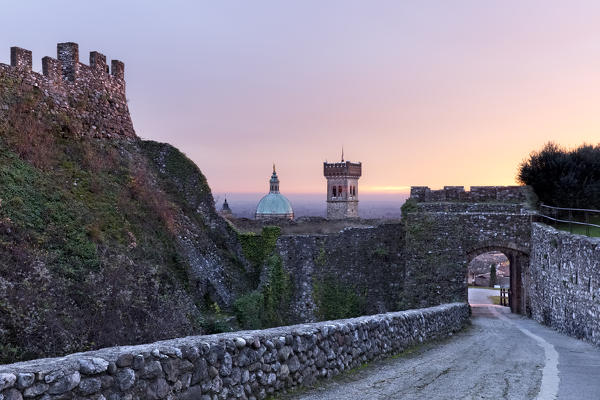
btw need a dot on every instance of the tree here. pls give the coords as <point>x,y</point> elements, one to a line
<point>564,178</point>
<point>492,275</point>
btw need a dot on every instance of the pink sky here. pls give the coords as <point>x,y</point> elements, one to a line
<point>423,93</point>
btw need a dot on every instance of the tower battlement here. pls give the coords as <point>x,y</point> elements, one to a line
<point>345,168</point>
<point>93,94</point>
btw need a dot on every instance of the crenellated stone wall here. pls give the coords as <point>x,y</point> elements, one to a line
<point>509,194</point>
<point>565,282</point>
<point>239,365</point>
<point>82,100</point>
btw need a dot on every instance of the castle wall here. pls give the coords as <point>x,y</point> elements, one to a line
<point>85,97</point>
<point>248,364</point>
<point>441,238</point>
<point>565,282</point>
<point>504,194</point>
<point>366,261</point>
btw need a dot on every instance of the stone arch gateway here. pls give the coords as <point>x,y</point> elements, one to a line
<point>518,261</point>
<point>445,229</point>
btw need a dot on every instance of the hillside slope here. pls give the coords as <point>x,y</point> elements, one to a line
<point>103,241</point>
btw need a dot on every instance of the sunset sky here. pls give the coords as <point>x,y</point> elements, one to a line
<point>422,92</point>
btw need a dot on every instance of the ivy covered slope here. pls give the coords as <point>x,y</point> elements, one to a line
<point>103,242</point>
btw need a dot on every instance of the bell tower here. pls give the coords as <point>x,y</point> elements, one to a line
<point>342,188</point>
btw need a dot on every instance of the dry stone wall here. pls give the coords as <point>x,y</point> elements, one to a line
<point>69,91</point>
<point>240,365</point>
<point>565,282</point>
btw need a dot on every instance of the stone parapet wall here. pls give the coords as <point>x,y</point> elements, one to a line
<point>565,282</point>
<point>87,97</point>
<point>504,194</point>
<point>239,365</point>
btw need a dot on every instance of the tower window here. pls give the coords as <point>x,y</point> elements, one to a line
<point>334,192</point>
<point>339,190</point>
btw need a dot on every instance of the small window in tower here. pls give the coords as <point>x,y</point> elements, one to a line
<point>340,190</point>
<point>334,192</point>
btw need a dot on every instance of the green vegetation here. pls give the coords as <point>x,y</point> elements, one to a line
<point>580,229</point>
<point>493,275</point>
<point>257,248</point>
<point>562,177</point>
<point>321,259</point>
<point>267,306</point>
<point>89,228</point>
<point>410,205</point>
<point>335,300</point>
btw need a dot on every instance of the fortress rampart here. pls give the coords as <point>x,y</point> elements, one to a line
<point>503,194</point>
<point>68,90</point>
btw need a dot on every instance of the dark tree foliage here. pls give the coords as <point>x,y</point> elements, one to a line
<point>493,278</point>
<point>562,177</point>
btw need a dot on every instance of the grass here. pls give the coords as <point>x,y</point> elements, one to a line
<point>495,300</point>
<point>579,229</point>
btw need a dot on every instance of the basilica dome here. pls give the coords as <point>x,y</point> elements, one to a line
<point>274,204</point>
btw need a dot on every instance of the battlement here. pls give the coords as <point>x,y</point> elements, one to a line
<point>340,169</point>
<point>502,194</point>
<point>67,61</point>
<point>92,94</point>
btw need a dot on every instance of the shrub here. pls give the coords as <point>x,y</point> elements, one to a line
<point>410,205</point>
<point>248,310</point>
<point>335,300</point>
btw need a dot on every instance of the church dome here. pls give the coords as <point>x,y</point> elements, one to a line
<point>274,204</point>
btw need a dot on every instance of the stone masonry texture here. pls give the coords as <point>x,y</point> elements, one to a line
<point>565,283</point>
<point>73,91</point>
<point>239,365</point>
<point>445,231</point>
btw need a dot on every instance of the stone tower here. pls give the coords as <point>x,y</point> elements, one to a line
<point>342,188</point>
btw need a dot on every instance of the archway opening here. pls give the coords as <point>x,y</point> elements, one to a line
<point>488,279</point>
<point>507,265</point>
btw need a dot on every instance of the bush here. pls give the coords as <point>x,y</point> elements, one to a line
<point>335,300</point>
<point>564,178</point>
<point>248,310</point>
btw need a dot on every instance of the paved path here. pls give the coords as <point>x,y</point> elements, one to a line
<point>501,356</point>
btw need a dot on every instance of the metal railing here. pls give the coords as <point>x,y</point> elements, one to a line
<point>571,217</point>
